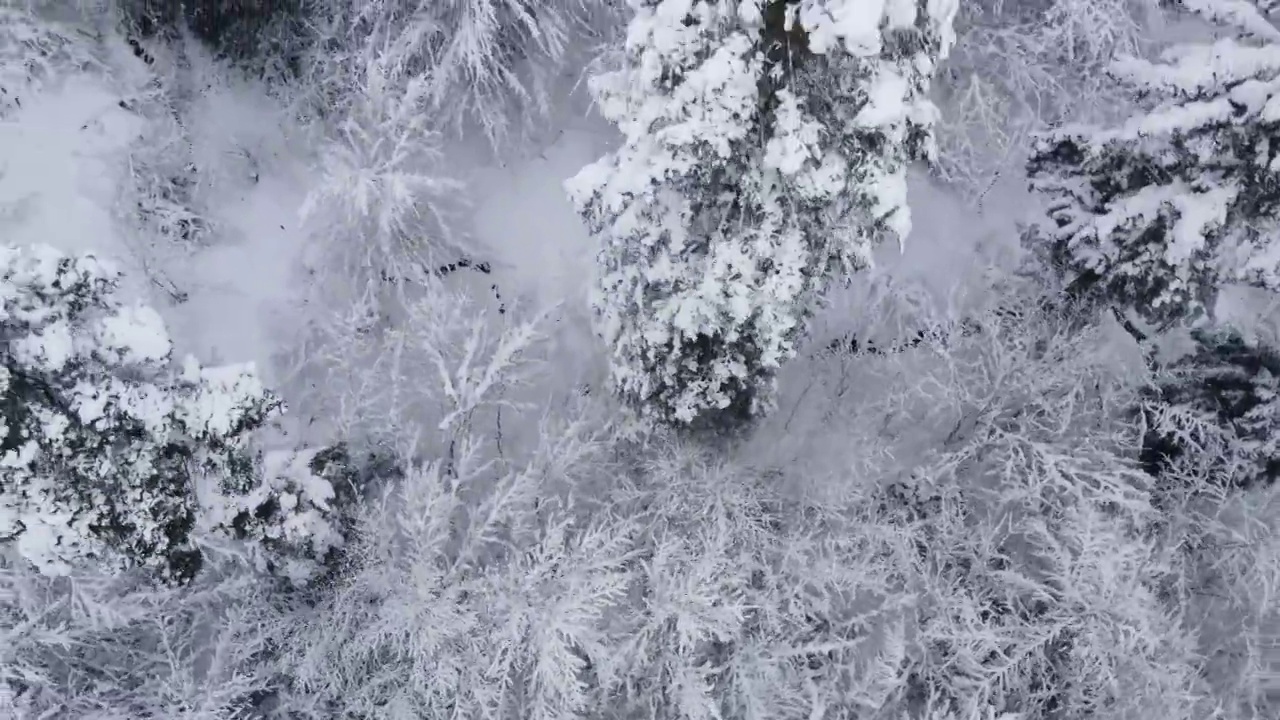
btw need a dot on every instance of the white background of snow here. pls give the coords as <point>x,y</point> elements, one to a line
<point>58,158</point>
<point>242,286</point>
<point>522,216</point>
<point>61,155</point>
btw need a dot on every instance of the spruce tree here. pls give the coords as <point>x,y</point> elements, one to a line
<point>1157,214</point>
<point>103,437</point>
<point>764,151</point>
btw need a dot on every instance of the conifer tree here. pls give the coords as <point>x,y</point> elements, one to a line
<point>103,437</point>
<point>1156,215</point>
<point>764,151</point>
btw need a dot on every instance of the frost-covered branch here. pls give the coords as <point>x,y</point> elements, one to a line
<point>107,646</point>
<point>1021,66</point>
<point>489,65</point>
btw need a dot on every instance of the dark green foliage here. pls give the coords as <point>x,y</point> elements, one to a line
<point>302,514</point>
<point>1232,386</point>
<point>103,436</point>
<point>238,30</point>
<point>1156,214</point>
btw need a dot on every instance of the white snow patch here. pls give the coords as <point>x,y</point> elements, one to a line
<point>58,159</point>
<point>242,286</point>
<point>542,254</point>
<point>61,157</point>
<point>137,333</point>
<point>525,219</point>
<point>950,240</point>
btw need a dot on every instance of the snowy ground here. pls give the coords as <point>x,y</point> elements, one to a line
<point>64,152</point>
<point>58,156</point>
<point>243,285</point>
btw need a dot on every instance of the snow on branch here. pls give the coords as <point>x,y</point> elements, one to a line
<point>1019,66</point>
<point>1158,213</point>
<point>765,150</point>
<point>487,64</point>
<point>115,456</point>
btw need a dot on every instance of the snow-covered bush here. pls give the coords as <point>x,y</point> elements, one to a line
<point>1029,513</point>
<point>104,436</point>
<point>1158,213</point>
<point>163,184</point>
<point>764,149</point>
<point>1055,579</point>
<point>397,383</point>
<point>448,577</point>
<point>1210,445</point>
<point>112,647</point>
<point>558,582</point>
<point>381,214</point>
<point>1224,582</point>
<point>1021,65</point>
<point>162,189</point>
<point>296,519</point>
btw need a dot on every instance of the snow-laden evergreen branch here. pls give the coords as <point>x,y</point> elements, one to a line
<point>765,150</point>
<point>1157,214</point>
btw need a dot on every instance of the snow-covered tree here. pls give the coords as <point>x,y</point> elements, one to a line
<point>962,532</point>
<point>764,150</point>
<point>382,209</point>
<point>1156,214</point>
<point>1218,408</point>
<point>102,436</point>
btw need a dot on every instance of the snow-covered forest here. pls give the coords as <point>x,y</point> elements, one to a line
<point>640,359</point>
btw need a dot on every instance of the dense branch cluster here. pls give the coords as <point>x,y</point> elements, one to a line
<point>104,439</point>
<point>1019,66</point>
<point>115,455</point>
